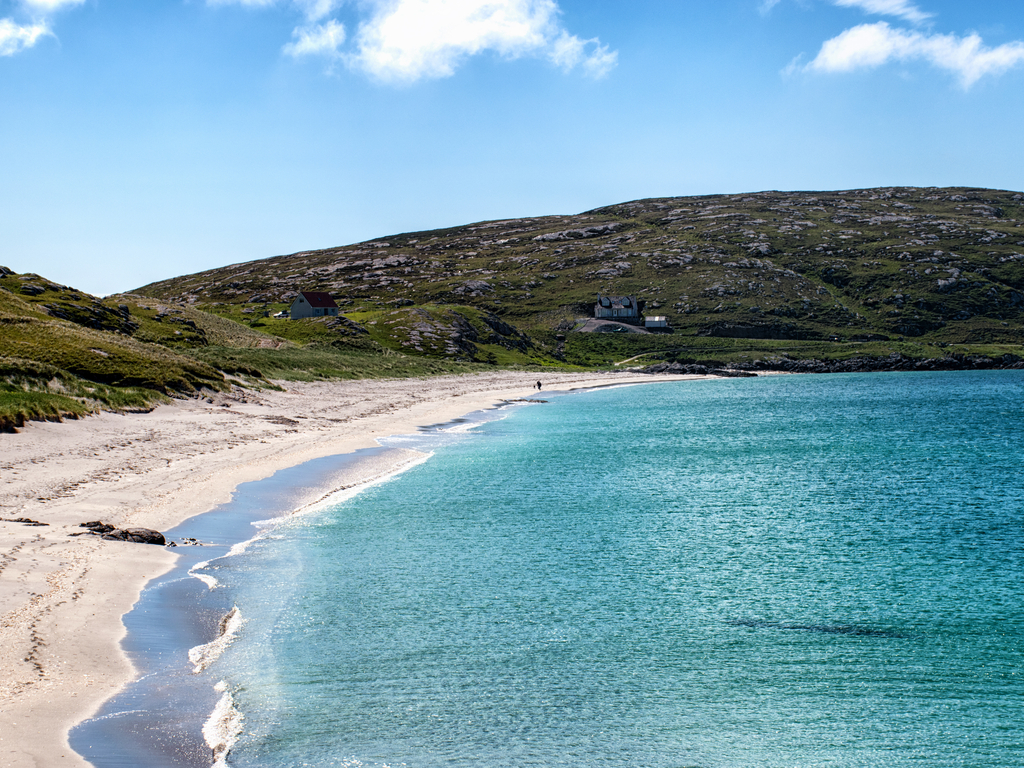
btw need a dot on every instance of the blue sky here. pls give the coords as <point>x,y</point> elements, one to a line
<point>143,139</point>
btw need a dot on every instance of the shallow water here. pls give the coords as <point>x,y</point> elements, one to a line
<point>158,720</point>
<point>784,571</point>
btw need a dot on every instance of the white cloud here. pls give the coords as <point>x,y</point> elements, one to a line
<point>900,8</point>
<point>407,40</point>
<point>320,40</point>
<point>568,52</point>
<point>245,3</point>
<point>872,45</point>
<point>318,9</point>
<point>313,10</point>
<point>16,37</point>
<point>903,9</point>
<point>49,6</point>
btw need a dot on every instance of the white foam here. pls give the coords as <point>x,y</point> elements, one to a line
<point>460,428</point>
<point>112,715</point>
<point>224,726</point>
<point>336,496</point>
<point>207,579</point>
<point>347,492</point>
<point>240,547</point>
<point>607,387</point>
<point>202,656</point>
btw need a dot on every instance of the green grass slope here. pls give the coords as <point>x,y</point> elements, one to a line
<point>64,353</point>
<point>929,266</point>
<point>99,350</point>
<point>743,279</point>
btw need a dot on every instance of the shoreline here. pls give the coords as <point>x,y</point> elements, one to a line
<point>174,713</point>
<point>62,598</point>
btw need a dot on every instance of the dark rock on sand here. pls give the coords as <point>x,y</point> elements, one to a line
<point>98,527</point>
<point>137,535</point>
<point>22,520</point>
<point>109,532</point>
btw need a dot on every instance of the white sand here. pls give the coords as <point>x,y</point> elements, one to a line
<point>62,597</point>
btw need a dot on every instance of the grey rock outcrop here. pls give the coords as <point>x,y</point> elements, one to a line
<point>580,234</point>
<point>866,364</point>
<point>137,535</point>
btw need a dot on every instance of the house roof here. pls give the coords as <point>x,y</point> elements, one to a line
<point>617,302</point>
<point>318,299</point>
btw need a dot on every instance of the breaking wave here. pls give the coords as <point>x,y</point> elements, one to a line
<point>202,656</point>
<point>224,726</point>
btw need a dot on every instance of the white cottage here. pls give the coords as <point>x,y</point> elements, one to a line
<point>621,308</point>
<point>313,304</point>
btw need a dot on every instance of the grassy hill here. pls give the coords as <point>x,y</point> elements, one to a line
<point>896,275</point>
<point>64,353</point>
<point>928,267</point>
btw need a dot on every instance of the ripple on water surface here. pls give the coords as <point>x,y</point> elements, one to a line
<point>792,572</point>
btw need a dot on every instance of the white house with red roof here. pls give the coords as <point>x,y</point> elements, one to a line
<point>313,304</point>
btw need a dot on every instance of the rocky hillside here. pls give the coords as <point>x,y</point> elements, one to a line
<point>65,353</point>
<point>55,327</point>
<point>946,265</point>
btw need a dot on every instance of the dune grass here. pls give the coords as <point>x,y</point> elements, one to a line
<point>34,391</point>
<point>320,362</point>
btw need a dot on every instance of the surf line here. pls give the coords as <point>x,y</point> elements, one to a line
<point>346,492</point>
<point>225,725</point>
<point>222,730</point>
<point>334,496</point>
<point>202,656</point>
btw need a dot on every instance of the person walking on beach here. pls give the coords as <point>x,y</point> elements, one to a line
<point>538,386</point>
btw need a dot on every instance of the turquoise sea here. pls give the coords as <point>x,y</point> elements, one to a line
<point>788,572</point>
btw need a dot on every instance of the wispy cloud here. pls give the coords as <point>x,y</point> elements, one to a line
<point>569,52</point>
<point>49,6</point>
<point>409,40</point>
<point>245,3</point>
<point>403,41</point>
<point>318,9</point>
<point>313,10</point>
<point>18,37</point>
<point>901,9</point>
<point>872,45</point>
<point>318,40</point>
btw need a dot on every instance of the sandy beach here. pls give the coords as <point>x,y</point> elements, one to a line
<point>62,596</point>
